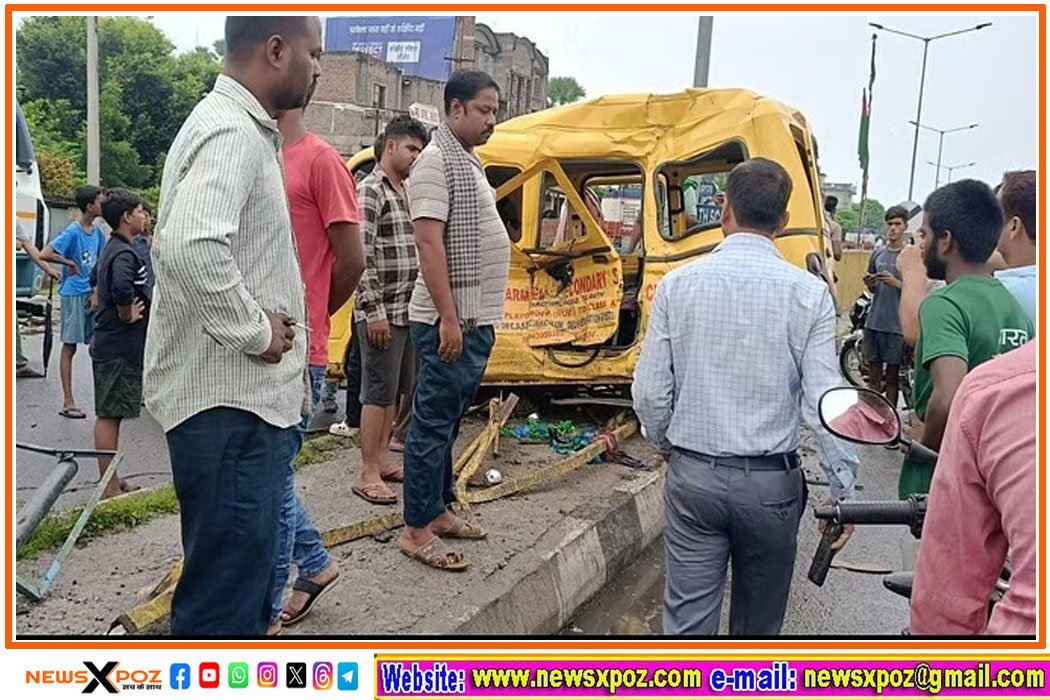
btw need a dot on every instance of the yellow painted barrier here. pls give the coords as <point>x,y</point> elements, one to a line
<point>851,271</point>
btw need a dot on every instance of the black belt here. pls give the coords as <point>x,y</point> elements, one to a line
<point>785,461</point>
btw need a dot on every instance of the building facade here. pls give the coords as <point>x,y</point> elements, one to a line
<point>358,94</point>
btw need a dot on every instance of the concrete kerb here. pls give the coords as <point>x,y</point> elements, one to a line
<point>596,542</point>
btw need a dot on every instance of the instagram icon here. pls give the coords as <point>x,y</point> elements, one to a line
<point>322,675</point>
<point>267,675</point>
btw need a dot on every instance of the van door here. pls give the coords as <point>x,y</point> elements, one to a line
<point>565,285</point>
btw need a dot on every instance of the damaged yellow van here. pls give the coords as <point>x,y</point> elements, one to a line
<point>602,199</point>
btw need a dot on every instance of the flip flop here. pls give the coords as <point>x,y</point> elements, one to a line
<point>342,430</point>
<point>437,555</point>
<point>27,372</point>
<point>314,590</point>
<point>397,476</point>
<point>396,446</point>
<point>72,413</point>
<point>368,493</point>
<point>462,529</point>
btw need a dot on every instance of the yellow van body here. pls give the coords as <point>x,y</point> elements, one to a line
<point>578,296</point>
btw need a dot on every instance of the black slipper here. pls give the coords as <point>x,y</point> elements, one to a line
<point>314,591</point>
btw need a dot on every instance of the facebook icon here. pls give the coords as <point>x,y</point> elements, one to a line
<point>180,676</point>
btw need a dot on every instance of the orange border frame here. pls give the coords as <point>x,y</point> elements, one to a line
<point>540,644</point>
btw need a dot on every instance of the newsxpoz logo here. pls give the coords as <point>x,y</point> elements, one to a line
<point>109,678</point>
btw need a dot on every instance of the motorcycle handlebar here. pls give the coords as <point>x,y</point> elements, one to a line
<point>910,512</point>
<point>872,512</point>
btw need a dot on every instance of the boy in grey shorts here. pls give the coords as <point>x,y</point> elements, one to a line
<point>883,339</point>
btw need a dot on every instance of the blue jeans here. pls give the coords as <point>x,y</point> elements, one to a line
<point>297,538</point>
<point>443,395</point>
<point>228,467</point>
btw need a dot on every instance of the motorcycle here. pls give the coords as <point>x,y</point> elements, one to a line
<point>866,417</point>
<point>851,355</point>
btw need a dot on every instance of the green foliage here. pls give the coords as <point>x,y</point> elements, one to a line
<point>848,217</point>
<point>564,90</point>
<point>108,516</point>
<point>146,91</point>
<point>59,176</point>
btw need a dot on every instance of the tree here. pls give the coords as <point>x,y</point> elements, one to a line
<point>146,91</point>
<point>848,217</point>
<point>564,90</point>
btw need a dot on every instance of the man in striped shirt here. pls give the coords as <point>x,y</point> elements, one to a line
<point>224,367</point>
<point>464,258</point>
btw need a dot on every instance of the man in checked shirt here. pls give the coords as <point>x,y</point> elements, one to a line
<point>721,382</point>
<point>381,308</point>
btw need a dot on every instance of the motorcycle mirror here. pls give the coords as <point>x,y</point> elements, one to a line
<point>860,415</point>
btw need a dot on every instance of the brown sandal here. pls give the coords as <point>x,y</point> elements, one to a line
<point>462,529</point>
<point>396,476</point>
<point>435,554</point>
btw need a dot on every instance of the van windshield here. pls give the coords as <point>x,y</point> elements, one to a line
<point>24,155</point>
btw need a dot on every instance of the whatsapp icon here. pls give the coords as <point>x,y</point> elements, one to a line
<point>239,675</point>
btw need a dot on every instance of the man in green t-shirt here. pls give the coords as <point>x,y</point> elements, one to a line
<point>969,321</point>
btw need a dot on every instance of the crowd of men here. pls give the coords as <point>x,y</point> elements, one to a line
<point>221,323</point>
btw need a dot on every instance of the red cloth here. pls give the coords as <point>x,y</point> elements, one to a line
<point>983,506</point>
<point>321,192</point>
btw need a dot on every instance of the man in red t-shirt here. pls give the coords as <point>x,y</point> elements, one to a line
<point>322,200</point>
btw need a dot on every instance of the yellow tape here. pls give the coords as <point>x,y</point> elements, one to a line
<point>551,472</point>
<point>159,605</point>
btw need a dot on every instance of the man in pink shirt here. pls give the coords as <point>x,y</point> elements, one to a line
<point>982,506</point>
<point>322,201</point>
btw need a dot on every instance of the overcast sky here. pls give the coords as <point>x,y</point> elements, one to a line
<point>817,63</point>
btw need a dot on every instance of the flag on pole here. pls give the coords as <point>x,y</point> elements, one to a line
<point>865,116</point>
<point>862,145</point>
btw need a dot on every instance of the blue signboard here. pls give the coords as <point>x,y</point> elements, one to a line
<point>420,46</point>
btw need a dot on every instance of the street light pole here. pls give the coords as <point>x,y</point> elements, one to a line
<point>94,158</point>
<point>940,143</point>
<point>926,41</point>
<point>940,151</point>
<point>918,118</point>
<point>703,51</point>
<point>951,168</point>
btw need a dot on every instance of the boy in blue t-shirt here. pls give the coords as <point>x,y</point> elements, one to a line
<point>77,248</point>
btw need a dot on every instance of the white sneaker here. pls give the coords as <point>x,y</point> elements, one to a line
<point>343,430</point>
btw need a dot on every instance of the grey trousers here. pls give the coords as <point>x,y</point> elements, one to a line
<point>717,515</point>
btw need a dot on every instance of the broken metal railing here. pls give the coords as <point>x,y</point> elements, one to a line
<point>44,499</point>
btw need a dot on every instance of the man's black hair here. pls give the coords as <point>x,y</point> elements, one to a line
<point>86,196</point>
<point>831,203</point>
<point>969,210</point>
<point>244,32</point>
<point>464,85</point>
<point>404,126</point>
<point>379,146</point>
<point>1019,194</point>
<point>758,191</point>
<point>896,212</point>
<point>118,203</point>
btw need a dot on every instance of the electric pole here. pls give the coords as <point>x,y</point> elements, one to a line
<point>94,158</point>
<point>703,51</point>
